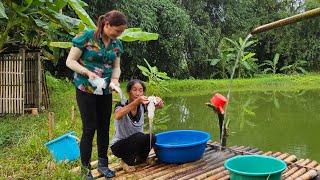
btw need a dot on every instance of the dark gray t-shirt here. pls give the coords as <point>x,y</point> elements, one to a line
<point>128,124</point>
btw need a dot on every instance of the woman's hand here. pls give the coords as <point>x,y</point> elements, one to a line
<point>90,75</point>
<point>115,82</point>
<point>159,102</point>
<point>142,100</point>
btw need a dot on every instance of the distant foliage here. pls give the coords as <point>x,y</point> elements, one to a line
<point>190,33</point>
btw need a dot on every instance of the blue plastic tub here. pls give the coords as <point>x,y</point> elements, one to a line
<point>181,146</point>
<point>65,147</point>
<point>255,167</point>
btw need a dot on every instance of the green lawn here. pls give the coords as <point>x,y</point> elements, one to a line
<point>22,138</point>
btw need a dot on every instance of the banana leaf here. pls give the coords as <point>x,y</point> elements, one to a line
<point>2,11</point>
<point>61,44</point>
<point>136,34</point>
<point>82,14</point>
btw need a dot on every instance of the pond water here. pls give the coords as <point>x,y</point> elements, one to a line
<point>273,120</point>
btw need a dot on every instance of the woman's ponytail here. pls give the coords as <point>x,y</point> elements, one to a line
<point>100,24</point>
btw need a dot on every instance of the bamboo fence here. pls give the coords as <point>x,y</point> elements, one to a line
<point>22,82</point>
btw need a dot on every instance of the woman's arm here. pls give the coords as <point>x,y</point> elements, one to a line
<point>130,107</point>
<point>116,71</point>
<point>72,62</point>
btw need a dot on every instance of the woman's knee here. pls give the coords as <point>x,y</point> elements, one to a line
<point>88,132</point>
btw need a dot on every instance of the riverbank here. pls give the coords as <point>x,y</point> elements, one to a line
<point>22,138</point>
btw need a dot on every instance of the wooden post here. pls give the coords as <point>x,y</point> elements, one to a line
<point>39,87</point>
<point>73,121</point>
<point>51,124</point>
<point>34,111</point>
<point>22,53</point>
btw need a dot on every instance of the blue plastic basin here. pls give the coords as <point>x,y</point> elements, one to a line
<point>255,167</point>
<point>181,146</point>
<point>65,147</point>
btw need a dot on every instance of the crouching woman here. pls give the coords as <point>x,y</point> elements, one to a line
<point>129,142</point>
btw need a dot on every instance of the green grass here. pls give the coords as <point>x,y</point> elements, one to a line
<point>261,83</point>
<point>22,138</point>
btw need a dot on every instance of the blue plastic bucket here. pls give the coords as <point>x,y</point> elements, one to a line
<point>255,167</point>
<point>65,147</point>
<point>181,146</point>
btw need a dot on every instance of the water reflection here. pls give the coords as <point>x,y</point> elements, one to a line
<point>273,120</point>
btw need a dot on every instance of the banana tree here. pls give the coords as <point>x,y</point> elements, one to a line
<point>44,18</point>
<point>272,65</point>
<point>247,64</point>
<point>155,78</point>
<point>224,60</point>
<point>295,68</point>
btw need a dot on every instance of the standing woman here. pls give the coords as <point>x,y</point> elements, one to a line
<point>96,54</point>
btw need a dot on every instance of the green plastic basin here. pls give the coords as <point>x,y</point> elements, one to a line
<point>255,167</point>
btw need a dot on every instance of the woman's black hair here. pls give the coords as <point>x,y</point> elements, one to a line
<point>133,82</point>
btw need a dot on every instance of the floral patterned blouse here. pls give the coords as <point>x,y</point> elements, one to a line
<point>96,58</point>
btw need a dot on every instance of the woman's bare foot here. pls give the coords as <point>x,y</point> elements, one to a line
<point>126,167</point>
<point>151,161</point>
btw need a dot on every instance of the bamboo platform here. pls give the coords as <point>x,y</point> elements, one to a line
<point>210,166</point>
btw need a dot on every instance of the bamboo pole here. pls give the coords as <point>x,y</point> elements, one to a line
<point>268,153</point>
<point>6,87</point>
<point>148,168</point>
<point>276,154</point>
<point>289,169</point>
<point>3,81</point>
<point>39,80</point>
<point>12,99</point>
<point>142,172</point>
<point>301,171</point>
<point>295,168</point>
<point>156,170</point>
<point>212,164</point>
<point>10,86</point>
<point>213,168</point>
<point>27,88</point>
<point>73,121</point>
<point>20,86</point>
<point>181,169</point>
<point>289,20</point>
<point>253,151</point>
<point>310,174</point>
<point>209,173</point>
<point>206,172</point>
<point>164,171</point>
<point>178,170</point>
<point>189,172</point>
<point>120,173</point>
<point>77,169</point>
<point>22,89</point>
<point>283,156</point>
<point>290,159</point>
<point>225,178</point>
<point>51,124</point>
<point>14,76</point>
<point>219,175</point>
<point>1,85</point>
